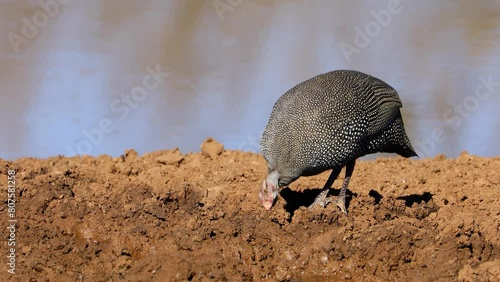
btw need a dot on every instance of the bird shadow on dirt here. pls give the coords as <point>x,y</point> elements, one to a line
<point>296,199</point>
<point>425,197</point>
<point>416,198</point>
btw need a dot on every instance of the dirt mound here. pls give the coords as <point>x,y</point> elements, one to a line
<point>168,216</point>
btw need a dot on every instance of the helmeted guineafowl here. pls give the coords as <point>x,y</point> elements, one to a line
<point>327,122</point>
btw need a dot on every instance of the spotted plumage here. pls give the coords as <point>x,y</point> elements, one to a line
<point>327,122</point>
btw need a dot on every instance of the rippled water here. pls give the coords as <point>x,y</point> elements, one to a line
<point>75,77</point>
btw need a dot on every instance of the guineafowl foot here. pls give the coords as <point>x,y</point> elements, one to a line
<point>340,201</point>
<point>341,198</point>
<point>341,204</point>
<point>321,200</point>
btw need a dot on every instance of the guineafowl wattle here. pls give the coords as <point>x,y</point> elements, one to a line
<point>327,122</point>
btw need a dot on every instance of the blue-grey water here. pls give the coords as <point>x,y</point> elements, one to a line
<point>76,76</point>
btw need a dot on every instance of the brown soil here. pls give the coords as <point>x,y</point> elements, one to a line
<point>166,216</point>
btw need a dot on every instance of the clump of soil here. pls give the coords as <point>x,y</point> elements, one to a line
<point>165,216</point>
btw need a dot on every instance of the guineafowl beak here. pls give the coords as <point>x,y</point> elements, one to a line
<point>268,194</point>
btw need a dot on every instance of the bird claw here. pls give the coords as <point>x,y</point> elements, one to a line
<point>321,200</point>
<point>341,204</point>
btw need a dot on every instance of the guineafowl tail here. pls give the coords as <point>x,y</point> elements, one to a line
<point>406,149</point>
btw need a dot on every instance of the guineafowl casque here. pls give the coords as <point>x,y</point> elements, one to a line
<point>327,122</point>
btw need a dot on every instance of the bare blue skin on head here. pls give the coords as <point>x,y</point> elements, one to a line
<point>269,190</point>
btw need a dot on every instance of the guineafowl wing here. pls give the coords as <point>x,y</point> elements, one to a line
<point>378,101</point>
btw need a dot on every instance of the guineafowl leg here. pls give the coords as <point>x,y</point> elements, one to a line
<point>321,198</point>
<point>341,199</point>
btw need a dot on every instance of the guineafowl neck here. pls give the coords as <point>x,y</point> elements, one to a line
<point>273,177</point>
<point>286,177</point>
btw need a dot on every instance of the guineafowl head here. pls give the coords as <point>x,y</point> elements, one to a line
<point>269,190</point>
